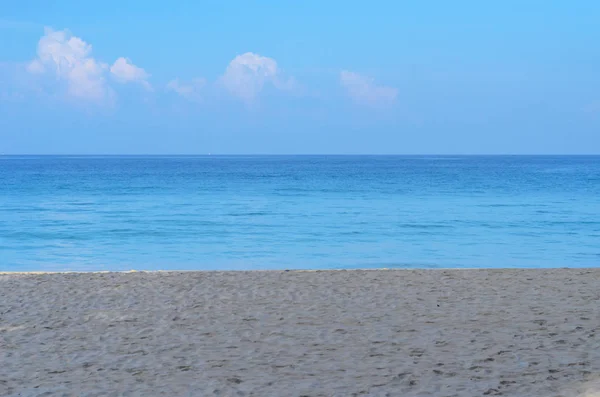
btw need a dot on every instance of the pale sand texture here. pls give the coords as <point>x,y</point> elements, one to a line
<point>330,333</point>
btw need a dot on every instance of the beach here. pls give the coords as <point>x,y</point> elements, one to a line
<point>509,332</point>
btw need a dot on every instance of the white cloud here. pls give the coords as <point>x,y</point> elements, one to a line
<point>188,90</point>
<point>247,74</point>
<point>126,72</point>
<point>363,89</point>
<point>68,57</point>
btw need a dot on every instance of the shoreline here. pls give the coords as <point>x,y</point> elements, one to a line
<point>3,273</point>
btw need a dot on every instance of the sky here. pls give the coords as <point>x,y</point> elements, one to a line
<point>303,77</point>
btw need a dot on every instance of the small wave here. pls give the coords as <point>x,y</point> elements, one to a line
<point>425,226</point>
<point>259,213</point>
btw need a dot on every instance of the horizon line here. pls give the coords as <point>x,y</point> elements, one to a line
<point>297,154</point>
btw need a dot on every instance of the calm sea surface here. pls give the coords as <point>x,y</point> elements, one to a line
<point>278,212</point>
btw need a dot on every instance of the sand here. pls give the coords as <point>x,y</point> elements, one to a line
<point>326,333</point>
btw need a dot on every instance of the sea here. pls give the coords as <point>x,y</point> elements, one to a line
<point>120,213</point>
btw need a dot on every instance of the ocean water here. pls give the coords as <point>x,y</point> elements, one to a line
<point>297,212</point>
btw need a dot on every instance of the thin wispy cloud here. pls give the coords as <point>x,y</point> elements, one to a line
<point>593,108</point>
<point>247,74</point>
<point>188,90</point>
<point>364,90</point>
<point>12,24</point>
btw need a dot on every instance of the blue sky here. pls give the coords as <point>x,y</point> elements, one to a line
<point>379,77</point>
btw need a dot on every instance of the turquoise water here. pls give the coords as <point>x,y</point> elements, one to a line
<point>277,212</point>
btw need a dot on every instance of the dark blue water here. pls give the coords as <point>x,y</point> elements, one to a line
<point>276,212</point>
